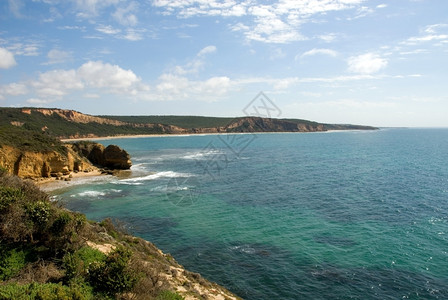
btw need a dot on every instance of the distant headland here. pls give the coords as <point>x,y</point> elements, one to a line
<point>70,124</point>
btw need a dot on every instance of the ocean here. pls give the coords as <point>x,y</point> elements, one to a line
<point>335,215</point>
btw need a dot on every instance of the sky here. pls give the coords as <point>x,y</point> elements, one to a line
<point>380,63</point>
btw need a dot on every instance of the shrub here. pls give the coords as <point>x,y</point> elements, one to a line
<point>11,262</point>
<point>77,264</point>
<point>39,212</point>
<point>9,195</point>
<point>168,295</point>
<point>60,223</point>
<point>112,276</point>
<point>47,291</point>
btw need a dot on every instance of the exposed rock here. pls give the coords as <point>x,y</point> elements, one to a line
<point>28,164</point>
<point>116,158</point>
<point>112,157</point>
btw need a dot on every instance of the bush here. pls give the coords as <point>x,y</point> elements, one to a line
<point>47,291</point>
<point>39,212</point>
<point>9,195</point>
<point>168,295</point>
<point>11,262</point>
<point>60,223</point>
<point>112,276</point>
<point>77,264</point>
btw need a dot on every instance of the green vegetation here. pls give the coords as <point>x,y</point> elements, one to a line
<point>187,122</point>
<point>44,253</point>
<point>54,125</point>
<point>35,131</point>
<point>168,295</point>
<point>29,140</point>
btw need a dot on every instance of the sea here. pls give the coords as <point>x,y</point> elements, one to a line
<point>328,215</point>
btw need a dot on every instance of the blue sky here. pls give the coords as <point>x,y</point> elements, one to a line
<point>382,63</point>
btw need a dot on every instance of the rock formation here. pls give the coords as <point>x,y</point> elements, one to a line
<point>112,157</point>
<point>83,157</point>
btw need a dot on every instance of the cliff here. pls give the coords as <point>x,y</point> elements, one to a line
<point>47,252</point>
<point>78,157</point>
<point>63,123</point>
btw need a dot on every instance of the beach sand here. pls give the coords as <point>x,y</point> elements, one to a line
<point>51,184</point>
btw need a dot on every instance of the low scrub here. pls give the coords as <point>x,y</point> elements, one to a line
<point>44,252</point>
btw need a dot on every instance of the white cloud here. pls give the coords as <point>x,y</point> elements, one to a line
<point>321,51</point>
<point>207,50</point>
<point>38,101</point>
<point>13,89</point>
<point>107,29</point>
<point>328,38</point>
<point>90,8</point>
<point>176,87</point>
<point>15,6</point>
<point>126,15</point>
<point>91,75</point>
<point>102,75</point>
<point>130,34</point>
<point>56,56</point>
<point>431,33</point>
<point>279,22</point>
<point>6,59</point>
<point>57,83</point>
<point>381,6</point>
<point>133,35</point>
<point>368,63</point>
<point>28,48</point>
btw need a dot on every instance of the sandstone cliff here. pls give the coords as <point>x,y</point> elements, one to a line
<point>32,164</point>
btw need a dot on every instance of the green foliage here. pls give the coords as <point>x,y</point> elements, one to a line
<point>180,121</point>
<point>112,276</point>
<point>39,212</point>
<point>47,291</point>
<point>77,264</point>
<point>9,195</point>
<point>61,223</point>
<point>29,140</point>
<point>11,262</point>
<point>168,295</point>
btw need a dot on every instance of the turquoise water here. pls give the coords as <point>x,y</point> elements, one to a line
<point>341,215</point>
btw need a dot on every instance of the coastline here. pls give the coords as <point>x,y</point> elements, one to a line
<point>51,184</point>
<point>136,136</point>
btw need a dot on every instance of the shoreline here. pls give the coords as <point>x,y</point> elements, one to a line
<point>52,184</point>
<point>136,136</point>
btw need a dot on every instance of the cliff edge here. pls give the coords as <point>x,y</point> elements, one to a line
<point>47,252</point>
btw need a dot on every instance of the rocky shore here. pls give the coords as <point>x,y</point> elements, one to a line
<point>75,158</point>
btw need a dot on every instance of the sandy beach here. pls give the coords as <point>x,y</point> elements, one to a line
<point>193,134</point>
<point>51,184</point>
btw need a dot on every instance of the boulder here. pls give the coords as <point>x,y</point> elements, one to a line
<point>116,158</point>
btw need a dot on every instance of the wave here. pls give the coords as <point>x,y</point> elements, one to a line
<point>96,193</point>
<point>202,154</point>
<point>165,188</point>
<point>165,174</point>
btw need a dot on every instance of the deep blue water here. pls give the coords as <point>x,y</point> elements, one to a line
<point>341,215</point>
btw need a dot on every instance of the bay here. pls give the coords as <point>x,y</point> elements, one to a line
<point>337,215</point>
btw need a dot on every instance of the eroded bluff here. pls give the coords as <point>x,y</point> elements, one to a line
<point>77,157</point>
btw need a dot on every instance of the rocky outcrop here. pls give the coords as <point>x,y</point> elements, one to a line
<point>28,164</point>
<point>85,157</point>
<point>116,158</point>
<point>112,156</point>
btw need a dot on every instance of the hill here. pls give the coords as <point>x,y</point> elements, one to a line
<point>62,123</point>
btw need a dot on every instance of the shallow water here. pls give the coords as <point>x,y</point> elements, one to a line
<point>341,215</point>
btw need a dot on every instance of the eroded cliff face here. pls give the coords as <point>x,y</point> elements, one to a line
<point>28,164</point>
<point>112,156</point>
